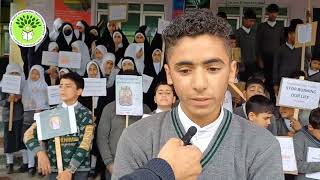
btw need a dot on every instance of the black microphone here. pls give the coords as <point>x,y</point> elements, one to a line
<point>187,137</point>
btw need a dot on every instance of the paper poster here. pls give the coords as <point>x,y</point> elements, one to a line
<point>69,59</point>
<point>162,24</point>
<point>118,12</point>
<point>147,80</point>
<point>306,33</point>
<point>288,156</point>
<point>56,122</point>
<point>129,95</point>
<point>11,84</point>
<point>50,58</point>
<point>95,87</point>
<point>299,94</point>
<point>313,156</point>
<point>54,95</point>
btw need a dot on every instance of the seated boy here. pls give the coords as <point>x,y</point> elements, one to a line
<point>259,110</point>
<point>164,97</point>
<point>314,69</point>
<point>75,147</point>
<point>286,124</point>
<point>307,137</point>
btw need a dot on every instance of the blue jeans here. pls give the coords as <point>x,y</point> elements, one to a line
<point>79,175</point>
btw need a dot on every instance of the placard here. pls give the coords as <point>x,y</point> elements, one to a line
<point>54,95</point>
<point>162,24</point>
<point>236,54</point>
<point>313,155</point>
<point>69,59</point>
<point>306,33</point>
<point>299,94</point>
<point>95,87</point>
<point>118,12</point>
<point>50,58</point>
<point>288,156</point>
<point>147,80</point>
<point>11,84</point>
<point>56,122</point>
<point>129,96</point>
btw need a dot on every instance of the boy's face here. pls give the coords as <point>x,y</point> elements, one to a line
<point>272,16</point>
<point>291,37</point>
<point>315,65</point>
<point>233,43</point>
<point>249,23</point>
<point>164,96</point>
<point>35,75</point>
<point>69,91</point>
<point>286,112</point>
<point>200,70</point>
<point>261,119</point>
<point>252,90</point>
<point>314,132</point>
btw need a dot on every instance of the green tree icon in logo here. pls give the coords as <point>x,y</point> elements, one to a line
<point>27,23</point>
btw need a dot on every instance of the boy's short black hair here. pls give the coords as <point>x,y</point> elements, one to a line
<point>273,8</point>
<point>76,78</point>
<point>314,118</point>
<point>259,104</point>
<point>258,75</point>
<point>232,36</point>
<point>254,81</point>
<point>164,83</point>
<point>315,58</point>
<point>195,23</point>
<point>249,14</point>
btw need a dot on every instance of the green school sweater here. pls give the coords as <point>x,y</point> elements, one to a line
<point>75,148</point>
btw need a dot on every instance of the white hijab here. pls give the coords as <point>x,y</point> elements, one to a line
<point>67,38</point>
<point>85,56</point>
<point>157,66</point>
<point>63,70</point>
<point>114,71</point>
<point>34,93</point>
<point>55,29</point>
<point>79,23</point>
<point>52,46</point>
<point>104,52</point>
<point>118,33</point>
<point>131,51</point>
<point>94,98</point>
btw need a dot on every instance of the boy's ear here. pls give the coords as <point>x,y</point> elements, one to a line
<point>169,78</point>
<point>79,91</point>
<point>233,71</point>
<point>251,116</point>
<point>310,127</point>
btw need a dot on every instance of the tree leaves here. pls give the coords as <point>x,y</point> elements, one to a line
<point>28,20</point>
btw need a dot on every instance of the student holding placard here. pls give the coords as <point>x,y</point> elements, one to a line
<point>34,99</point>
<point>121,43</point>
<point>111,125</point>
<point>12,140</point>
<point>306,146</point>
<point>66,37</point>
<point>286,124</point>
<point>75,148</point>
<point>52,74</point>
<point>80,47</point>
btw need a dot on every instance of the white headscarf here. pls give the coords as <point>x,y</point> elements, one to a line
<point>131,51</point>
<point>16,68</point>
<point>55,29</point>
<point>63,70</point>
<point>34,93</point>
<point>79,23</point>
<point>118,33</point>
<point>114,71</point>
<point>52,46</point>
<point>67,38</point>
<point>98,69</point>
<point>85,56</point>
<point>157,66</point>
<point>104,52</point>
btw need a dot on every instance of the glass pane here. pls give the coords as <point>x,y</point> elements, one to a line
<point>152,23</point>
<point>230,10</point>
<point>233,23</point>
<point>102,5</point>
<point>257,10</point>
<point>197,4</point>
<point>134,7</point>
<point>283,11</point>
<point>130,27</point>
<point>153,7</point>
<point>6,42</point>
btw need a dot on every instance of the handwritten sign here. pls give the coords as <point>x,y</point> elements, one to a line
<point>56,122</point>
<point>118,12</point>
<point>288,156</point>
<point>50,58</point>
<point>11,84</point>
<point>54,95</point>
<point>299,94</point>
<point>306,33</point>
<point>147,80</point>
<point>69,59</point>
<point>95,87</point>
<point>129,96</point>
<point>162,24</point>
<point>313,155</point>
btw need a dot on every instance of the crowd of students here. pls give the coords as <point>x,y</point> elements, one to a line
<point>267,55</point>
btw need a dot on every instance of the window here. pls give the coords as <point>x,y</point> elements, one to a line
<point>5,37</point>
